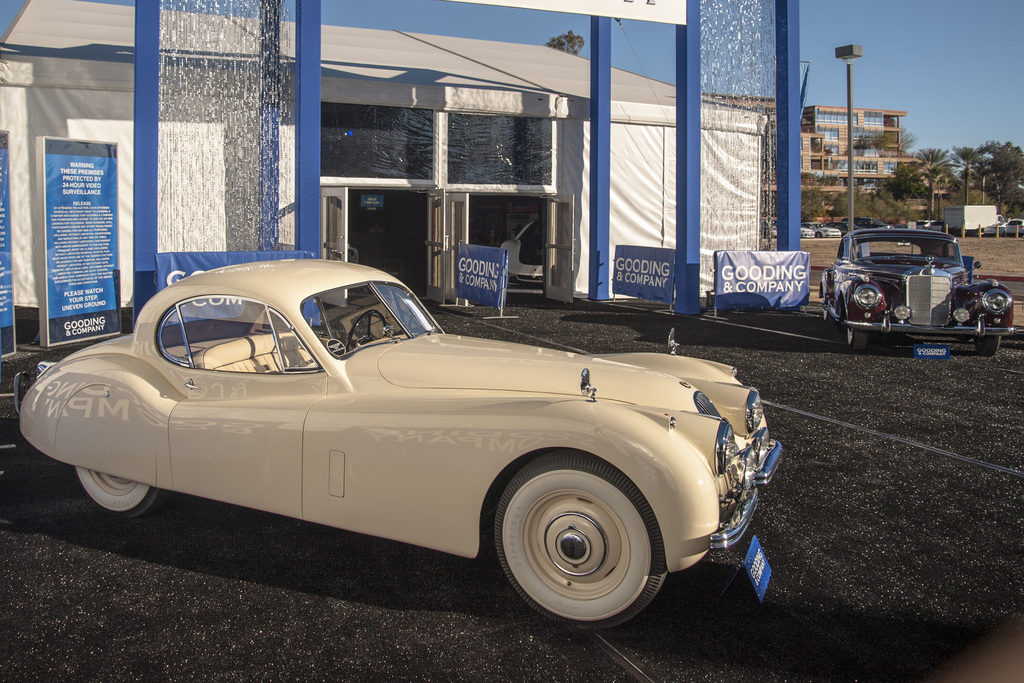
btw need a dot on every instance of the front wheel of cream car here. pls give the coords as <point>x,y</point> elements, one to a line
<point>118,495</point>
<point>579,541</point>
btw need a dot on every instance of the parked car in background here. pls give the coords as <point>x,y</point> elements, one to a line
<point>325,391</point>
<point>806,231</point>
<point>862,223</point>
<point>934,225</point>
<point>907,281</point>
<point>838,225</point>
<point>1012,228</point>
<point>822,230</point>
<point>526,255</point>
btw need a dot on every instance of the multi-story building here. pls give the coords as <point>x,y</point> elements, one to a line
<point>877,145</point>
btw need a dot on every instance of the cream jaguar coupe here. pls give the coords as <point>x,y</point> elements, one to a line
<point>326,392</point>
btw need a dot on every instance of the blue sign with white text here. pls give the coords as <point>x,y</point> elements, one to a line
<point>83,281</point>
<point>172,266</point>
<point>481,275</point>
<point>932,351</point>
<point>6,278</point>
<point>758,569</point>
<point>647,273</point>
<point>760,280</point>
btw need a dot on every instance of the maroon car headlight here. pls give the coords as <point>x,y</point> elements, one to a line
<point>996,301</point>
<point>867,296</point>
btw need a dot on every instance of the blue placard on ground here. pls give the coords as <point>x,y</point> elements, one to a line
<point>758,569</point>
<point>932,351</point>
<point>172,266</point>
<point>481,275</point>
<point>760,280</point>
<point>83,280</point>
<point>647,273</point>
<point>6,277</point>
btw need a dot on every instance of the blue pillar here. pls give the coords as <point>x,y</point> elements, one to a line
<point>147,121</point>
<point>307,163</point>
<point>688,162</point>
<point>600,155</point>
<point>270,122</point>
<point>787,86</point>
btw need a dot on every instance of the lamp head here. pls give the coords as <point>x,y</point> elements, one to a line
<point>849,53</point>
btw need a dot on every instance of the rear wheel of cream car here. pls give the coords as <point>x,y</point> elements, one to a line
<point>121,496</point>
<point>578,540</point>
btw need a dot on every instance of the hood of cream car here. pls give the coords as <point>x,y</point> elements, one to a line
<point>453,362</point>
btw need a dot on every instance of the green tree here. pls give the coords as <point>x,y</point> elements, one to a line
<point>966,159</point>
<point>814,201</point>
<point>1004,167</point>
<point>906,183</point>
<point>568,42</point>
<point>935,167</point>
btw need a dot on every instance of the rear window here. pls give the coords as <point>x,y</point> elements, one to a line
<point>230,334</point>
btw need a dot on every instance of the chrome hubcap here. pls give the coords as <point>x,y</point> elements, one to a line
<point>575,544</point>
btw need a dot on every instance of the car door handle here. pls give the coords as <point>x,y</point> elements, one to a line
<point>190,384</point>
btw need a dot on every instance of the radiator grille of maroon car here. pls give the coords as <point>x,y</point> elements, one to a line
<point>929,298</point>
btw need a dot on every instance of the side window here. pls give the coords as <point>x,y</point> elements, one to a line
<point>231,335</point>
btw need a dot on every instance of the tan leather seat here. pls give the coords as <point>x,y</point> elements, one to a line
<point>245,354</point>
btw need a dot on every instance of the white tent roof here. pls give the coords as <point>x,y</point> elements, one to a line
<point>360,65</point>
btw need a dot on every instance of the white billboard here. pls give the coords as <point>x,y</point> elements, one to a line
<point>661,11</point>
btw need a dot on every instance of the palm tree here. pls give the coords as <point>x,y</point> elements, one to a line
<point>967,158</point>
<point>935,166</point>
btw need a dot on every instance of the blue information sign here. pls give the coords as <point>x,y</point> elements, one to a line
<point>6,279</point>
<point>172,266</point>
<point>758,569</point>
<point>645,272</point>
<point>83,281</point>
<point>758,280</point>
<point>481,275</point>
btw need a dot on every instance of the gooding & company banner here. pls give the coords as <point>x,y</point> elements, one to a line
<point>759,280</point>
<point>647,273</point>
<point>83,282</point>
<point>481,275</point>
<point>172,266</point>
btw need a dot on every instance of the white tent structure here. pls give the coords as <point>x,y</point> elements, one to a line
<point>66,71</point>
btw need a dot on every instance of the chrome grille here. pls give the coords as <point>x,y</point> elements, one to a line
<point>704,405</point>
<point>929,298</point>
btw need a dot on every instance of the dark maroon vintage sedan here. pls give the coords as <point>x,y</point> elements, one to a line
<point>914,282</point>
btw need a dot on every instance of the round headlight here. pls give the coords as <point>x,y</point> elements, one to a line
<point>996,301</point>
<point>867,296</point>
<point>755,410</point>
<point>961,315</point>
<point>901,312</point>
<point>725,446</point>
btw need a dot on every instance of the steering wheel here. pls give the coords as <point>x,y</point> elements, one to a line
<point>362,328</point>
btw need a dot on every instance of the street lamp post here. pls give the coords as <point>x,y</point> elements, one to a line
<point>849,54</point>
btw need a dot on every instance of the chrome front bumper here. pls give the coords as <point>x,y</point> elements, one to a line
<point>733,530</point>
<point>978,330</point>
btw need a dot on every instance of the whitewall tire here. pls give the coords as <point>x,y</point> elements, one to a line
<point>578,540</point>
<point>118,495</point>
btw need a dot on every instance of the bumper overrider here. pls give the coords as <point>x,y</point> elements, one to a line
<point>763,456</point>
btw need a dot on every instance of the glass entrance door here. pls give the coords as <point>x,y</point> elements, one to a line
<point>448,225</point>
<point>559,251</point>
<point>334,225</point>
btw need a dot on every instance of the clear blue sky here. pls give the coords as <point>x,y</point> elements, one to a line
<point>955,67</point>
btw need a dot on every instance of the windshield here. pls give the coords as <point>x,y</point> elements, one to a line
<point>347,318</point>
<point>902,247</point>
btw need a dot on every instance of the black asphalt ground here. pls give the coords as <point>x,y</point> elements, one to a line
<point>893,529</point>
